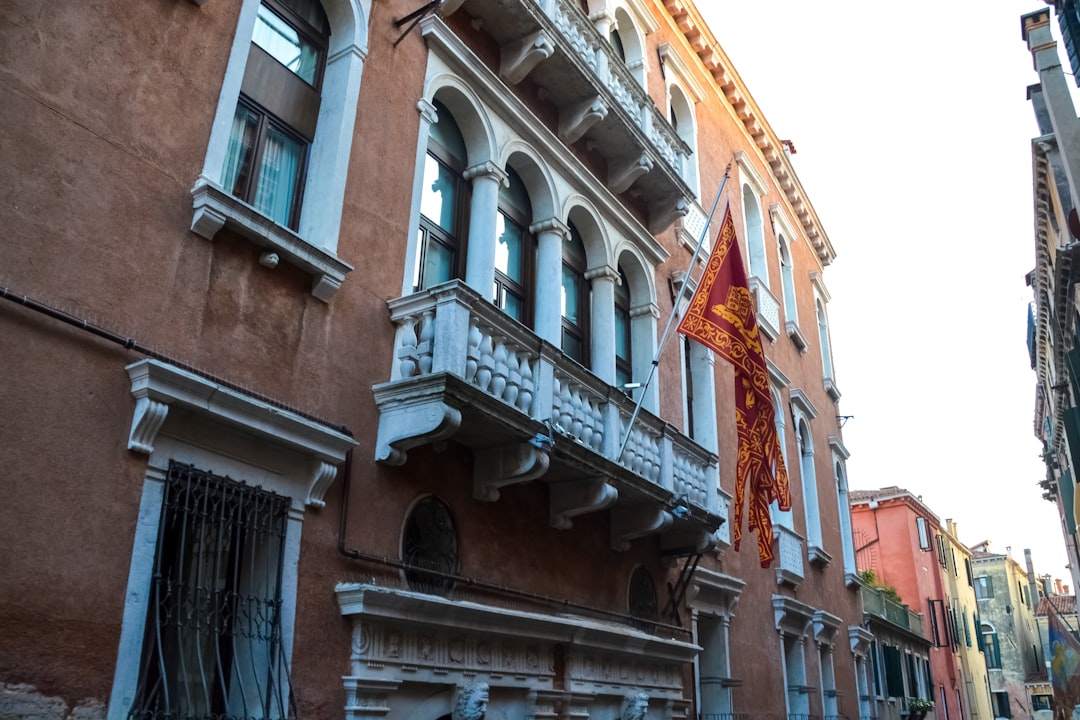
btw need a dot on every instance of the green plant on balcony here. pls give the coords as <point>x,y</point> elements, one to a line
<point>918,708</point>
<point>869,577</point>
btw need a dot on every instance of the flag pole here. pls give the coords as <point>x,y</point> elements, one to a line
<point>674,312</point>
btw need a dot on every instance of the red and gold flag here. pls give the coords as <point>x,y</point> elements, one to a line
<point>722,317</point>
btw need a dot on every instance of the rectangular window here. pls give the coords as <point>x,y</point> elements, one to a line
<point>213,640</point>
<point>967,569</point>
<point>941,551</point>
<point>984,587</point>
<point>894,674</point>
<point>924,533</point>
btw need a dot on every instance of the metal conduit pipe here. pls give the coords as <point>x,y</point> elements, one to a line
<point>473,582</point>
<point>131,344</point>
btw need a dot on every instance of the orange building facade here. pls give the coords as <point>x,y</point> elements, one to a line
<point>324,326</point>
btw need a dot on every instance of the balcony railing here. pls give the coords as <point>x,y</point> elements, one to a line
<point>876,603</point>
<point>789,556</point>
<point>768,308</point>
<point>463,368</point>
<point>555,44</point>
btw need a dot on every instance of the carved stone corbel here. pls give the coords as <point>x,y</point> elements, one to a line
<point>570,499</point>
<point>322,476</point>
<point>663,214</point>
<point>145,423</point>
<point>631,523</point>
<point>575,121</point>
<point>521,56</point>
<point>495,468</point>
<point>412,417</point>
<point>623,174</point>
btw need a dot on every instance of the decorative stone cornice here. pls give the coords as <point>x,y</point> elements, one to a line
<point>158,387</point>
<point>800,401</point>
<point>730,86</point>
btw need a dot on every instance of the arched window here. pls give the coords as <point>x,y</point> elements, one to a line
<point>783,518</point>
<point>787,279</point>
<point>823,337</point>
<point>755,235</point>
<point>429,542</point>
<point>624,351</point>
<point>443,203</point>
<point>642,600</point>
<point>575,300</point>
<point>514,250</point>
<point>276,114</point>
<point>809,487</point>
<point>617,44</point>
<point>681,114</point>
<point>844,504</point>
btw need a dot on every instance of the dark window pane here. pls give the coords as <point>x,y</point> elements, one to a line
<point>438,264</point>
<point>572,346</point>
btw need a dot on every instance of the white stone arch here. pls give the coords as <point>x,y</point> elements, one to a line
<point>682,111</point>
<point>523,158</point>
<point>753,221</point>
<point>843,502</point>
<point>480,146</point>
<point>470,115</point>
<point>594,233</point>
<point>808,478</point>
<point>783,518</point>
<point>626,23</point>
<point>324,186</point>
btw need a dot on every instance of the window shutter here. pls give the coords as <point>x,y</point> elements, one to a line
<point>894,674</point>
<point>989,586</point>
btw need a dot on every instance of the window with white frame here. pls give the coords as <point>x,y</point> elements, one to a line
<point>782,518</point>
<point>213,638</point>
<point>755,234</point>
<point>278,156</point>
<point>209,611</point>
<point>443,204</point>
<point>844,505</point>
<point>787,279</point>
<point>823,339</point>
<point>576,300</point>
<point>808,474</point>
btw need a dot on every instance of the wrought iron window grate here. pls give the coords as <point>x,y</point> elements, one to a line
<point>213,646</point>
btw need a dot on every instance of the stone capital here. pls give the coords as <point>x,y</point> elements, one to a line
<point>489,170</point>
<point>552,225</point>
<point>428,113</point>
<point>603,272</point>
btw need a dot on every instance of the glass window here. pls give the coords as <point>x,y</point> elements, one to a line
<point>575,298</point>
<point>924,533</point>
<point>442,204</point>
<point>429,542</point>
<point>276,114</point>
<point>514,250</point>
<point>984,587</point>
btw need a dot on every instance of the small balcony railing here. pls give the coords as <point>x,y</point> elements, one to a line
<point>789,556</point>
<point>463,369</point>
<point>876,603</point>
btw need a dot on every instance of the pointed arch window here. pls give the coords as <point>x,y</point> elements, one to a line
<point>443,204</point>
<point>575,299</point>
<point>514,250</point>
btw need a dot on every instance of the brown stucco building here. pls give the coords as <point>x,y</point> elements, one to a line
<point>322,331</point>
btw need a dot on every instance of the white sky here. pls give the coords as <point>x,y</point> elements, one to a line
<point>912,131</point>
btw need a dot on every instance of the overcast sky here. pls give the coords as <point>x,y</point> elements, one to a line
<point>912,134</point>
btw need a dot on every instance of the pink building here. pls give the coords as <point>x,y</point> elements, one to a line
<point>895,537</point>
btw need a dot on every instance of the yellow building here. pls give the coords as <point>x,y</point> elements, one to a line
<point>963,610</point>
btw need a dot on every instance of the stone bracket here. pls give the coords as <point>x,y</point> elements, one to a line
<point>521,56</point>
<point>145,423</point>
<point>570,499</point>
<point>628,524</point>
<point>368,698</point>
<point>663,214</point>
<point>405,424</point>
<point>495,468</point>
<point>623,174</point>
<point>576,120</point>
<point>322,476</point>
<point>687,541</point>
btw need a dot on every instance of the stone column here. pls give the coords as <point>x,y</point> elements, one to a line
<point>486,179</point>
<point>602,335</point>
<point>550,235</point>
<point>643,330</point>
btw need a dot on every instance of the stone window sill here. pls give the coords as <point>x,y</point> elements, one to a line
<point>214,209</point>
